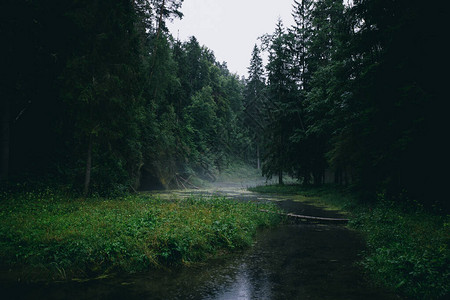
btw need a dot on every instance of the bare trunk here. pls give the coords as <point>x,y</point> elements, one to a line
<point>258,161</point>
<point>5,140</point>
<point>281,156</point>
<point>338,176</point>
<point>318,177</point>
<point>345,175</point>
<point>280,177</point>
<point>87,178</point>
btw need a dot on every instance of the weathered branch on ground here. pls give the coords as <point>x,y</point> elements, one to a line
<point>186,181</point>
<point>309,218</point>
<point>134,190</point>
<point>179,182</point>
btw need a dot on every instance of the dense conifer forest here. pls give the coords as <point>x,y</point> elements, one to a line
<point>99,100</point>
<point>99,97</point>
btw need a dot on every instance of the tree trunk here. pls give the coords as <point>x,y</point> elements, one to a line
<point>5,139</point>
<point>345,175</point>
<point>338,176</point>
<point>280,177</point>
<point>87,178</point>
<point>258,161</point>
<point>318,177</point>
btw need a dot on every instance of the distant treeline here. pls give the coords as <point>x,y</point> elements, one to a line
<point>354,88</point>
<point>98,96</point>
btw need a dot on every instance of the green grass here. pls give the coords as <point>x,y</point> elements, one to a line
<point>407,247</point>
<point>328,197</point>
<point>407,251</point>
<point>47,235</point>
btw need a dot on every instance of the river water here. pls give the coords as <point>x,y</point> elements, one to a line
<point>293,261</point>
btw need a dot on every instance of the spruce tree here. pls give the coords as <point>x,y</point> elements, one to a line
<point>281,92</point>
<point>301,36</point>
<point>256,102</point>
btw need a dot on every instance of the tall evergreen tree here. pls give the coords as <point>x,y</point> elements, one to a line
<point>281,92</point>
<point>326,84</point>
<point>301,32</point>
<point>256,102</point>
<point>395,95</point>
<point>100,85</point>
<point>32,58</point>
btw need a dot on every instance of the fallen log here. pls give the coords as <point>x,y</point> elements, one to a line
<point>309,218</point>
<point>188,182</point>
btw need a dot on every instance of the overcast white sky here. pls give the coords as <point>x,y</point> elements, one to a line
<point>230,28</point>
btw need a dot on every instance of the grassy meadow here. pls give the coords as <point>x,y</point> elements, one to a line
<point>50,236</point>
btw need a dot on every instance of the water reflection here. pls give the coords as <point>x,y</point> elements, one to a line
<point>291,262</point>
<point>247,284</point>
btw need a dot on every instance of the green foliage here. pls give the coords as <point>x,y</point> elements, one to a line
<point>350,89</point>
<point>113,97</point>
<point>407,250</point>
<point>254,114</point>
<point>281,91</point>
<point>50,235</point>
<point>201,118</point>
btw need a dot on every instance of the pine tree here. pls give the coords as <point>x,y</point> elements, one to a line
<point>326,85</point>
<point>256,102</point>
<point>301,35</point>
<point>395,98</point>
<point>101,90</point>
<point>281,93</point>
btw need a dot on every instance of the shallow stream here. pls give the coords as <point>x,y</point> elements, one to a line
<point>294,261</point>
